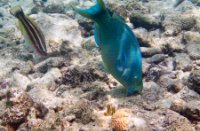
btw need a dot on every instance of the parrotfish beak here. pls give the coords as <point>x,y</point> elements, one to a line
<point>92,11</point>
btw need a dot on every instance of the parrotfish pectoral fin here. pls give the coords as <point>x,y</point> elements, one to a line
<point>92,11</point>
<point>122,60</point>
<point>117,17</point>
<point>97,35</point>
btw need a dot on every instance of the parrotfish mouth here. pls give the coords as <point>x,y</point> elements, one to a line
<point>132,91</point>
<point>29,27</point>
<point>92,11</point>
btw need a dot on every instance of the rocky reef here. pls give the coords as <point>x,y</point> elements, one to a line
<point>70,91</point>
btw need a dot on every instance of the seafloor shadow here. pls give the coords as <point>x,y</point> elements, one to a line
<point>119,92</point>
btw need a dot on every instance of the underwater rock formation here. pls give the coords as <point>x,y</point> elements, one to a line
<point>70,90</point>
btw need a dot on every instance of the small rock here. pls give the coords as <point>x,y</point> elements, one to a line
<point>194,81</point>
<point>138,124</point>
<point>150,91</point>
<point>175,122</point>
<point>192,110</point>
<point>70,118</point>
<point>175,44</point>
<point>95,91</point>
<point>61,89</point>
<point>35,10</point>
<point>146,52</point>
<point>193,50</point>
<point>165,103</point>
<point>83,112</point>
<point>176,87</point>
<point>54,8</point>
<point>156,58</point>
<point>25,56</point>
<point>49,63</point>
<point>153,74</point>
<point>148,22</point>
<point>191,37</point>
<point>65,48</point>
<point>168,64</point>
<point>143,37</point>
<point>20,80</point>
<point>89,44</point>
<point>166,82</point>
<point>174,25</point>
<point>41,110</point>
<point>183,62</point>
<point>178,105</point>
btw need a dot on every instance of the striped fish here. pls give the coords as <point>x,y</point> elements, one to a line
<point>31,32</point>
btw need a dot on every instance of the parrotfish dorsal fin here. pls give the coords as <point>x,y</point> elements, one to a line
<point>92,11</point>
<point>16,10</point>
<point>117,17</point>
<point>102,5</point>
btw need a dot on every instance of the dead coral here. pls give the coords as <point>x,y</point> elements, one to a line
<point>80,76</point>
<point>18,109</point>
<point>19,105</point>
<point>83,112</point>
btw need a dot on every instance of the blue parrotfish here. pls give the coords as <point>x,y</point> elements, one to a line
<point>119,47</point>
<point>34,37</point>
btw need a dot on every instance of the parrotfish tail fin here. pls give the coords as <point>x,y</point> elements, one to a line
<point>16,10</point>
<point>92,11</point>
